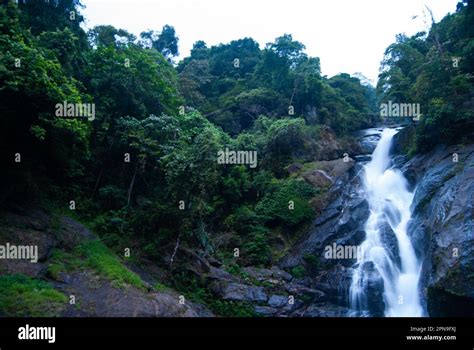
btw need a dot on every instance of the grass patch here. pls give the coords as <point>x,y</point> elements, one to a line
<point>22,296</point>
<point>100,258</point>
<point>62,261</point>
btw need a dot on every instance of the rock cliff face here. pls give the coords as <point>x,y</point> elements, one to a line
<point>341,223</point>
<point>443,227</point>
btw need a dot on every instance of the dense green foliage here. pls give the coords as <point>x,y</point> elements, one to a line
<point>435,70</point>
<point>143,172</point>
<point>234,84</point>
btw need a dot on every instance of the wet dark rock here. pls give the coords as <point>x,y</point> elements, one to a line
<point>363,158</point>
<point>189,260</point>
<point>24,267</point>
<point>219,274</point>
<point>444,304</point>
<point>403,141</point>
<point>324,310</point>
<point>374,287</point>
<point>343,219</point>
<point>72,233</point>
<point>341,222</point>
<point>368,140</point>
<point>262,275</point>
<point>148,271</point>
<point>294,168</point>
<point>318,178</point>
<point>351,218</point>
<point>31,218</point>
<point>265,311</point>
<point>279,273</point>
<point>327,146</point>
<point>336,283</point>
<point>297,290</point>
<point>64,278</point>
<point>20,236</point>
<point>277,301</point>
<point>238,292</point>
<point>398,161</point>
<point>442,227</point>
<point>214,262</point>
<point>390,242</point>
<point>354,238</point>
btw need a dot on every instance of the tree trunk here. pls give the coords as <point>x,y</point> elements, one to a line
<point>130,188</point>
<point>175,251</point>
<point>98,181</point>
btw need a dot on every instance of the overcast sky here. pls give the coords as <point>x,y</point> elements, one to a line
<point>347,35</point>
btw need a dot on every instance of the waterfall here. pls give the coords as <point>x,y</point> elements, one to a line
<point>389,199</point>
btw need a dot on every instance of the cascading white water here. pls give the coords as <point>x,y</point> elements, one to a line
<point>389,201</point>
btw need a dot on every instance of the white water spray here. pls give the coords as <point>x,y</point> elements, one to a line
<point>389,201</point>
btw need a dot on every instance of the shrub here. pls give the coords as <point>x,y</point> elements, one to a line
<point>256,250</point>
<point>298,272</point>
<point>276,205</point>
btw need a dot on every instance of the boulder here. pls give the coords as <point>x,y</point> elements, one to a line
<point>318,178</point>
<point>262,275</point>
<point>374,289</point>
<point>277,301</point>
<point>265,311</point>
<point>238,292</point>
<point>294,168</point>
<point>71,233</point>
<point>336,284</point>
<point>390,242</point>
<point>324,310</point>
<point>367,140</point>
<point>404,140</point>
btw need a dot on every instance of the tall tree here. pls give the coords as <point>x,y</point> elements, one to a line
<point>165,42</point>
